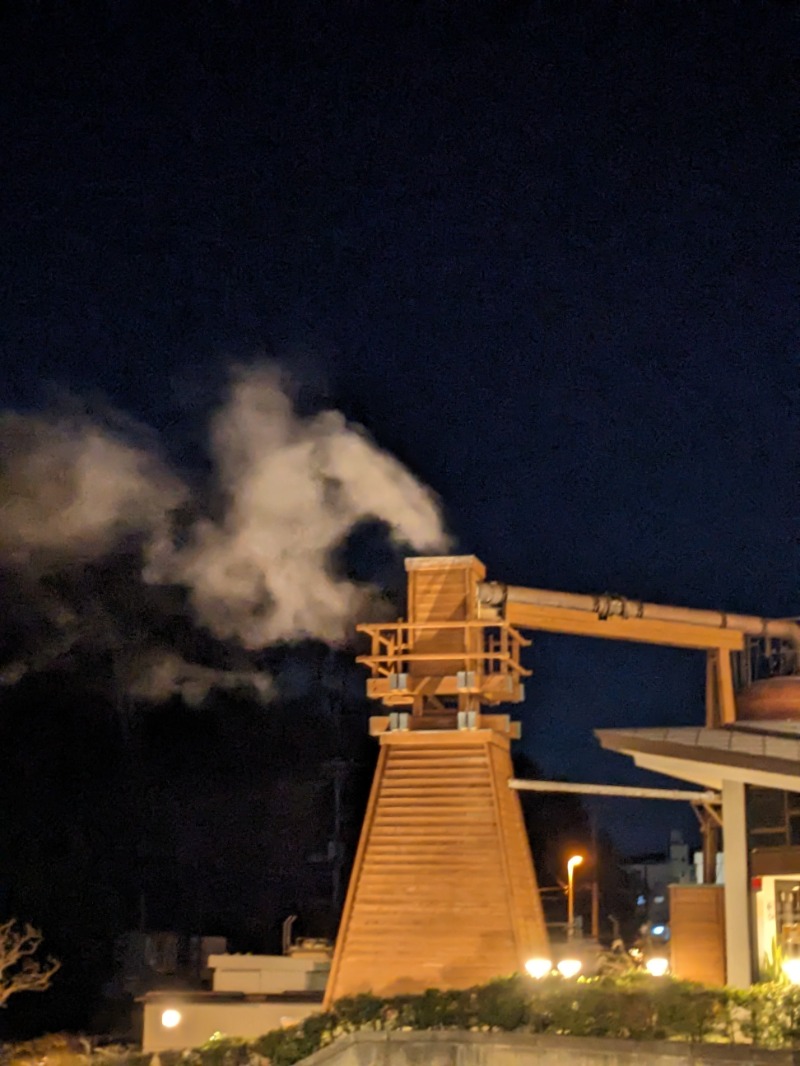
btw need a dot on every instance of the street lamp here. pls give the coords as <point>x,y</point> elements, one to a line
<point>574,861</point>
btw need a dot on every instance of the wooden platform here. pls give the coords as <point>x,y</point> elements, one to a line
<point>443,891</point>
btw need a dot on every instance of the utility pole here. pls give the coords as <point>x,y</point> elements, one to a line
<point>596,881</point>
<point>339,768</point>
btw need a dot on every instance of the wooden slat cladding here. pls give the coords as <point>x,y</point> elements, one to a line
<point>697,924</point>
<point>443,892</point>
<point>444,593</point>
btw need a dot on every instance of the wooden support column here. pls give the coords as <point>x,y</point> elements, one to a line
<point>712,695</point>
<point>727,698</point>
<point>709,828</point>
<point>720,694</point>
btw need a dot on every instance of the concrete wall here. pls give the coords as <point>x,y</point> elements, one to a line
<point>517,1049</point>
<point>200,1020</point>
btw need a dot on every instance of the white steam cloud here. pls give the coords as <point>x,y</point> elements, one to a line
<point>294,487</point>
<point>254,570</point>
<point>161,674</point>
<point>70,489</point>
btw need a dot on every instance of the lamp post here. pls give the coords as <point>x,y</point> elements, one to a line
<point>574,861</point>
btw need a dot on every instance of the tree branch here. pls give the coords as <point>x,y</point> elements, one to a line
<point>19,971</point>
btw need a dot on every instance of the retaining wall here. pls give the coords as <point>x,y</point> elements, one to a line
<point>521,1049</point>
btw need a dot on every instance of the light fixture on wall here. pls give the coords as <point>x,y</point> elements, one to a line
<point>171,1018</point>
<point>657,967</point>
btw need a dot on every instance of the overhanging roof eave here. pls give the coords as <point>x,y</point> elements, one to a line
<point>633,743</point>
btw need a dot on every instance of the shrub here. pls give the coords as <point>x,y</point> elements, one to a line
<point>503,1004</point>
<point>634,1005</point>
<point>434,1009</point>
<point>220,1051</point>
<point>55,1049</point>
<point>170,1058</point>
<point>599,1008</point>
<point>359,1012</point>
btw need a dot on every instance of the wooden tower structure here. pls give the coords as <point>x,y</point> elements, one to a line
<point>443,891</point>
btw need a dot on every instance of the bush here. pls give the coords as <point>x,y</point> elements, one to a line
<point>219,1051</point>
<point>689,1012</point>
<point>55,1049</point>
<point>634,1006</point>
<point>434,1009</point>
<point>359,1012</point>
<point>503,1004</point>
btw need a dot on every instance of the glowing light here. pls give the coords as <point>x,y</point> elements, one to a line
<point>576,860</point>
<point>659,930</point>
<point>572,862</point>
<point>570,967</point>
<point>792,970</point>
<point>170,1018</point>
<point>657,967</point>
<point>538,968</point>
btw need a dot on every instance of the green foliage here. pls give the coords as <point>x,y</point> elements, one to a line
<point>772,964</point>
<point>55,1049</point>
<point>359,1012</point>
<point>434,1009</point>
<point>599,1009</point>
<point>170,1058</point>
<point>503,1004</point>
<point>634,1005</point>
<point>221,1051</point>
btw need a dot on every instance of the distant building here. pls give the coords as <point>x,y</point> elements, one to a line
<point>250,996</point>
<point>652,875</point>
<point>164,960</point>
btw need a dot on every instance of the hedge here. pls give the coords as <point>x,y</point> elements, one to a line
<point>636,1006</point>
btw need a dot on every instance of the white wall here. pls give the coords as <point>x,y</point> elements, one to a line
<point>200,1020</point>
<point>270,974</point>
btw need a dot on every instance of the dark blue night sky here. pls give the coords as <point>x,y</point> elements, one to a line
<point>542,251</point>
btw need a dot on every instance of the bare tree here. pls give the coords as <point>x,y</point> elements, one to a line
<point>19,970</point>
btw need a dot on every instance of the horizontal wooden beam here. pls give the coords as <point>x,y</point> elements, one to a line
<point>676,794</point>
<point>499,688</point>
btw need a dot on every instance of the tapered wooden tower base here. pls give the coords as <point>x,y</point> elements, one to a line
<point>443,892</point>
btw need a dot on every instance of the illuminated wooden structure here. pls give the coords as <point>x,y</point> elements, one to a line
<point>443,891</point>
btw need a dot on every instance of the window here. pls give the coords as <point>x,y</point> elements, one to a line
<point>773,817</point>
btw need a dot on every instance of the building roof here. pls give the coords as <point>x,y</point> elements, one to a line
<point>749,749</point>
<point>210,996</point>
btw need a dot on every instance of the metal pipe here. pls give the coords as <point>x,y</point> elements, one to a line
<point>676,794</point>
<point>496,594</point>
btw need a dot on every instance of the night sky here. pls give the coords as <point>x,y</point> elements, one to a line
<point>541,251</point>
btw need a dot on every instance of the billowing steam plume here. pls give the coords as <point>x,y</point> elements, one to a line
<point>91,559</point>
<point>293,488</point>
<point>70,490</point>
